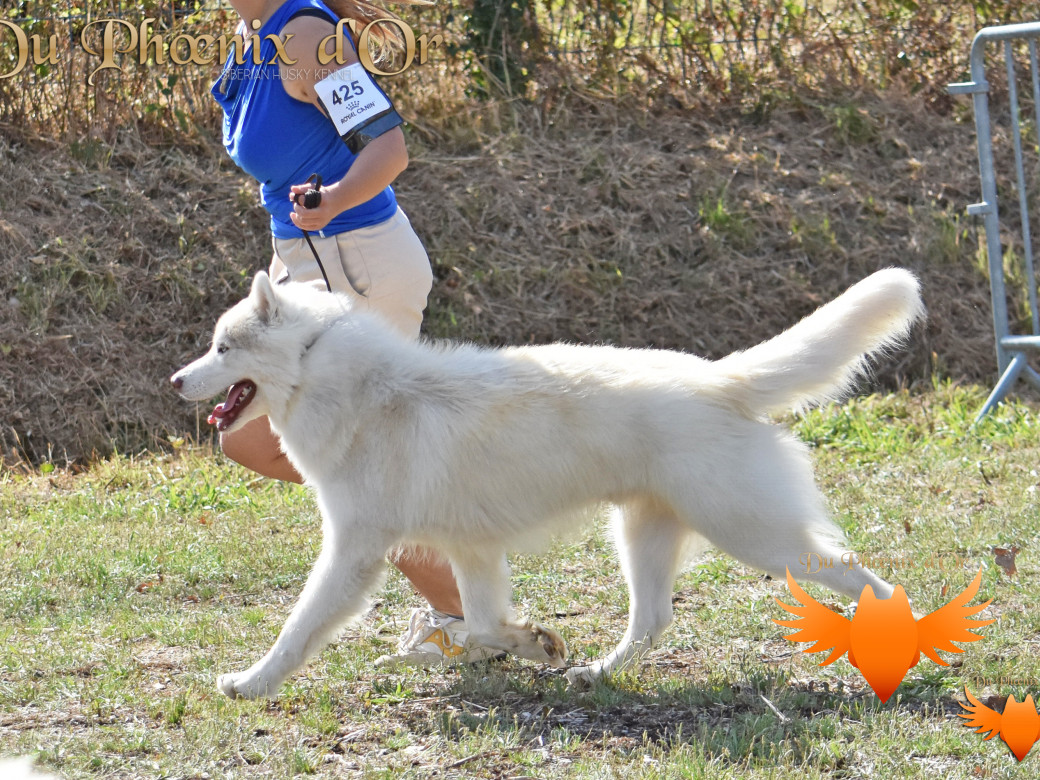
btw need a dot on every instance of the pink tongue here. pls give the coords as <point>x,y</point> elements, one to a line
<point>232,397</point>
<point>221,410</point>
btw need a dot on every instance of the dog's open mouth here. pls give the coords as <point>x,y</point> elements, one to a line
<point>238,398</point>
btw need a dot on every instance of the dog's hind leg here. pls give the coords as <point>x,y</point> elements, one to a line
<point>650,539</point>
<point>775,519</point>
<point>347,570</point>
<point>483,580</point>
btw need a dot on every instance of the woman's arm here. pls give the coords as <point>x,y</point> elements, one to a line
<point>378,164</point>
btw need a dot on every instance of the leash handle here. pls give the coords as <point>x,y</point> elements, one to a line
<point>312,197</point>
<point>311,200</point>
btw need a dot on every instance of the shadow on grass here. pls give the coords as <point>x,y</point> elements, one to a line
<point>729,721</point>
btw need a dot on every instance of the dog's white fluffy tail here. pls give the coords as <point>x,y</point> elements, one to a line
<point>819,358</point>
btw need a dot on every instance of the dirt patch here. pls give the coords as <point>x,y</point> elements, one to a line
<point>687,229</point>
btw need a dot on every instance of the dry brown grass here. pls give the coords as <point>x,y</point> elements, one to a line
<point>113,260</point>
<point>700,204</point>
<point>704,230</point>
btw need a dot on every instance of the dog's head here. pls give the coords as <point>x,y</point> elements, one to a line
<point>256,345</point>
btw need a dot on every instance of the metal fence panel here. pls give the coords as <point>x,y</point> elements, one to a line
<point>1008,143</point>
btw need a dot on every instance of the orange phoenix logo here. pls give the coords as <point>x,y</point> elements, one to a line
<point>883,640</point>
<point>1018,725</point>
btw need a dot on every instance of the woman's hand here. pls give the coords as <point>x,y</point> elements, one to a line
<point>311,220</point>
<point>375,169</point>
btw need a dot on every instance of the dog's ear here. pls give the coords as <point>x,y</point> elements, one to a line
<point>264,297</point>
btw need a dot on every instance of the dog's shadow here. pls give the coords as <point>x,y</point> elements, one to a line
<point>731,721</point>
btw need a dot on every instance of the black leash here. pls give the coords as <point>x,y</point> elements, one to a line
<point>311,200</point>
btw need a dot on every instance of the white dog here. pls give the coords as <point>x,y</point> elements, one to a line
<point>478,452</point>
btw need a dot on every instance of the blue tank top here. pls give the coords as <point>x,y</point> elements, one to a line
<point>281,141</point>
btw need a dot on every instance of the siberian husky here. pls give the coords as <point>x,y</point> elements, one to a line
<point>479,452</point>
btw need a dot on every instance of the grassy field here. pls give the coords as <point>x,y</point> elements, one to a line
<point>125,590</point>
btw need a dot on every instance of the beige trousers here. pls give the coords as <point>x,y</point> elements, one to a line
<point>383,268</point>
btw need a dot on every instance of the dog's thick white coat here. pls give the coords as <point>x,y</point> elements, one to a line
<point>479,452</point>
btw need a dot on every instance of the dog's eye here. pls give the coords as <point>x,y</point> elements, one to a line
<point>222,348</point>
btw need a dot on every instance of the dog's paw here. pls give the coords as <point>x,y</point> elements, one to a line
<point>552,645</point>
<point>526,640</point>
<point>244,685</point>
<point>584,676</point>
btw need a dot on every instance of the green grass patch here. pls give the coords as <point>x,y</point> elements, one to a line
<point>125,590</point>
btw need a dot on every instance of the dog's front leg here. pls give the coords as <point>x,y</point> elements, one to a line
<point>483,580</point>
<point>336,592</point>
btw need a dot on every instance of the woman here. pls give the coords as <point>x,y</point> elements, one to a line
<point>283,121</point>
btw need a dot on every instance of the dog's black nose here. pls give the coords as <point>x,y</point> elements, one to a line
<point>177,382</point>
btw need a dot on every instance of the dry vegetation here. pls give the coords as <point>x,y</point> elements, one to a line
<point>703,230</point>
<point>702,216</point>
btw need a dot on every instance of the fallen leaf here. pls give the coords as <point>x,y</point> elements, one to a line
<point>1005,559</point>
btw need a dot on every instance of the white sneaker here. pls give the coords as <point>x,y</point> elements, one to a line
<point>436,639</point>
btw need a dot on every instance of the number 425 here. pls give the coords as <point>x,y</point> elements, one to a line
<point>347,91</point>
